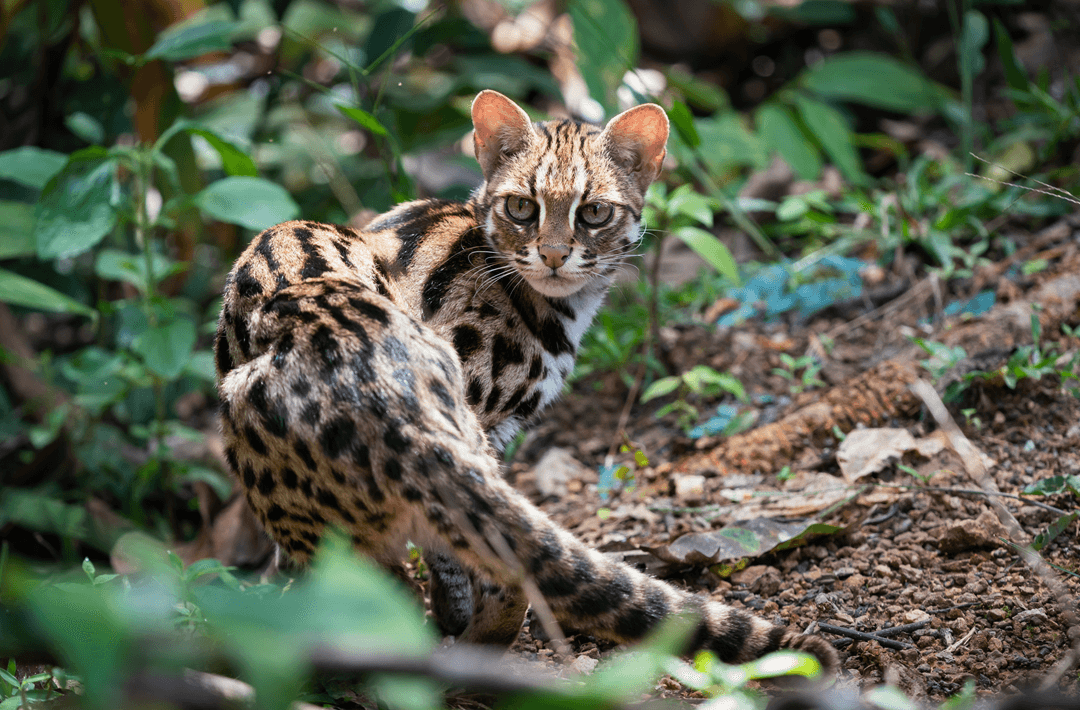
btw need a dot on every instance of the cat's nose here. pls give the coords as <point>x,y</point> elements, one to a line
<point>553,256</point>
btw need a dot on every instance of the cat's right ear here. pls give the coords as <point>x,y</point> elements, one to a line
<point>501,129</point>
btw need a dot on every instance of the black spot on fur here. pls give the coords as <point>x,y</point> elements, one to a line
<point>301,387</point>
<point>467,341</point>
<point>493,399</point>
<point>443,456</point>
<point>392,469</point>
<point>343,252</point>
<point>275,513</point>
<point>549,549</point>
<point>326,345</point>
<point>243,337</point>
<point>393,438</point>
<point>378,404</point>
<point>515,398</point>
<point>338,436</point>
<point>246,284</point>
<point>535,367</point>
<point>442,276</point>
<point>561,307</point>
<point>442,394</point>
<point>328,499</point>
<point>284,347</point>
<point>412,494</point>
<point>312,413</point>
<point>362,456</point>
<point>375,494</point>
<point>314,264</point>
<point>489,311</point>
<point>475,392</point>
<point>729,645</point>
<point>504,352</point>
<point>248,475</point>
<point>600,599</point>
<point>639,619</point>
<point>553,337</point>
<point>255,441</point>
<point>370,310</point>
<point>230,456</point>
<point>289,479</point>
<point>222,358</point>
<point>338,476</point>
<point>304,453</point>
<point>266,482</point>
<point>527,408</point>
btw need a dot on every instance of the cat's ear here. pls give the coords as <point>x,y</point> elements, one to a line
<point>637,139</point>
<point>501,129</point>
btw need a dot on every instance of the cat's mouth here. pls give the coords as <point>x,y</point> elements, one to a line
<point>556,282</point>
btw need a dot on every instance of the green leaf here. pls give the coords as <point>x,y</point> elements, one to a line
<point>233,160</point>
<point>875,80</point>
<point>683,120</point>
<point>248,201</point>
<point>1054,485</point>
<point>16,230</point>
<point>781,133</point>
<point>1014,72</point>
<point>829,126</point>
<point>188,41</point>
<point>118,265</point>
<point>365,119</point>
<point>74,211</point>
<point>973,37</point>
<point>1053,530</point>
<point>30,166</point>
<point>167,348</point>
<point>685,201</point>
<point>663,386</point>
<point>606,37</point>
<point>21,291</point>
<point>86,127</point>
<point>711,249</point>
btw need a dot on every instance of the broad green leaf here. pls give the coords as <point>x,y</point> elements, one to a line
<point>16,230</point>
<point>21,291</point>
<point>122,266</point>
<point>74,211</point>
<point>606,37</point>
<point>687,202</point>
<point>683,120</point>
<point>781,133</point>
<point>188,41</point>
<point>233,159</point>
<point>829,126</point>
<point>711,249</point>
<point>167,348</point>
<point>875,80</point>
<point>31,166</point>
<point>663,386</point>
<point>783,663</point>
<point>365,119</point>
<point>248,201</point>
<point>1053,530</point>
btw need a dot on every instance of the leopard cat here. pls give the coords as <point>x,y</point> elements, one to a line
<point>366,378</point>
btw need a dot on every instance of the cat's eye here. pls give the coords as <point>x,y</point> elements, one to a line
<point>595,214</point>
<point>520,208</point>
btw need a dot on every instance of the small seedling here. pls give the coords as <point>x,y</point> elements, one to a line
<point>806,365</point>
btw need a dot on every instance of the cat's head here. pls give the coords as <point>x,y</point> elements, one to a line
<point>562,200</point>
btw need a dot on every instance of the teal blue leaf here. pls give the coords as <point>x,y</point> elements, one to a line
<point>21,291</point>
<point>189,41</point>
<point>74,211</point>
<point>31,166</point>
<point>248,201</point>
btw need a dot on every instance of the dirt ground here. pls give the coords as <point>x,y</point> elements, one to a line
<point>918,541</point>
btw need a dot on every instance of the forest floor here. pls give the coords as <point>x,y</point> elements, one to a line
<point>918,539</point>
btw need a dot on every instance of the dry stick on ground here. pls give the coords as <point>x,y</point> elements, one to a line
<point>973,463</point>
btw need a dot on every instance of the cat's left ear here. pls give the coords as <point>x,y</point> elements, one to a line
<point>637,139</point>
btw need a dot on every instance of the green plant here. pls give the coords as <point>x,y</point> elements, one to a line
<point>700,381</point>
<point>809,367</point>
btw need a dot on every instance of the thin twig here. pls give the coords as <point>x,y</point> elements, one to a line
<point>973,463</point>
<point>863,636</point>
<point>904,629</point>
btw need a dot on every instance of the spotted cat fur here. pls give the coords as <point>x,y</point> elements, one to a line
<point>367,376</point>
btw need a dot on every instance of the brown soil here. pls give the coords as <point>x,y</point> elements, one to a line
<point>912,547</point>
